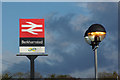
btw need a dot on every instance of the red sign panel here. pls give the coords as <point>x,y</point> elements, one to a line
<point>31,28</point>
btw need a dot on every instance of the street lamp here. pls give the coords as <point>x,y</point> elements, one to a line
<point>93,36</point>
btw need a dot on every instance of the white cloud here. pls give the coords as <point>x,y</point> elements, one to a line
<point>79,21</point>
<point>49,37</point>
<point>51,59</point>
<point>9,59</point>
<point>83,74</point>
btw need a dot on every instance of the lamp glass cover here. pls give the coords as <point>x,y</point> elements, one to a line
<point>100,36</point>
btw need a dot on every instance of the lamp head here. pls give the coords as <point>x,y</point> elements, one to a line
<point>95,34</point>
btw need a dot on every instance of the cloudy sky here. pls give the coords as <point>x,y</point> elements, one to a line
<point>65,25</point>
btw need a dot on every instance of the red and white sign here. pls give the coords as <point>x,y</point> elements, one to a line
<point>31,36</point>
<point>31,28</point>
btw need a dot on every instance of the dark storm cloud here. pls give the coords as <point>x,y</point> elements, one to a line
<point>105,13</point>
<point>102,13</point>
<point>65,42</point>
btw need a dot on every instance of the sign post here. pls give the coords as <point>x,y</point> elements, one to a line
<point>32,58</point>
<point>31,42</point>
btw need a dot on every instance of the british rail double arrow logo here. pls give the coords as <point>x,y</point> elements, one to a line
<point>31,28</point>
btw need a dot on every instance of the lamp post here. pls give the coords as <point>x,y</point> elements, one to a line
<point>93,36</point>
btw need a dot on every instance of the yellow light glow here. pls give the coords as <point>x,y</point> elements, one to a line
<point>97,33</point>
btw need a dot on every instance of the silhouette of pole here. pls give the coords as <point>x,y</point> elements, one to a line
<point>32,72</point>
<point>95,60</point>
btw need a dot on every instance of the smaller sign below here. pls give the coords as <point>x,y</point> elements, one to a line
<point>34,49</point>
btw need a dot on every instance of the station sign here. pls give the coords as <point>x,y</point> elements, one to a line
<point>31,36</point>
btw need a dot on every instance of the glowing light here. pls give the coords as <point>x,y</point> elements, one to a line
<point>96,33</point>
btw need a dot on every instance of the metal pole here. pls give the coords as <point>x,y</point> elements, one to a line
<point>32,67</point>
<point>32,58</point>
<point>95,59</point>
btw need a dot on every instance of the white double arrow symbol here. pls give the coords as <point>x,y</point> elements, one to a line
<point>31,29</point>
